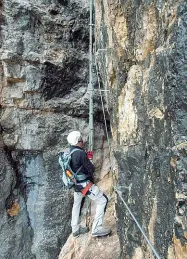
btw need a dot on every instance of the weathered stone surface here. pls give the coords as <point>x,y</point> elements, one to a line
<point>44,95</point>
<point>145,69</point>
<point>14,224</point>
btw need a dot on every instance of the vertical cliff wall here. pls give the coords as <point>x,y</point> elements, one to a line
<point>143,64</point>
<point>44,78</point>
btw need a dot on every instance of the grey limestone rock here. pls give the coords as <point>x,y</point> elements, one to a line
<point>44,95</point>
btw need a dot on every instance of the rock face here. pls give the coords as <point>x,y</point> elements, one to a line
<point>44,78</point>
<point>141,55</point>
<point>144,67</point>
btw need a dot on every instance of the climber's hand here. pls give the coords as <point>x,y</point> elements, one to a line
<point>90,155</point>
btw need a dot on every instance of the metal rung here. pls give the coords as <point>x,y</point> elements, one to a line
<point>99,90</point>
<point>99,26</point>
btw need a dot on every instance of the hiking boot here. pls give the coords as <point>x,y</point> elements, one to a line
<point>101,232</point>
<point>81,231</point>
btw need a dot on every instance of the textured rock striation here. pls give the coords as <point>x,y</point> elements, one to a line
<point>144,67</point>
<point>44,95</point>
<point>141,56</point>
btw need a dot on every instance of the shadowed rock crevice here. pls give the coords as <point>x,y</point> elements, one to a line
<point>63,2</point>
<point>60,81</point>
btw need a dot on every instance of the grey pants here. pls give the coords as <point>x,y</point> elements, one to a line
<point>99,198</point>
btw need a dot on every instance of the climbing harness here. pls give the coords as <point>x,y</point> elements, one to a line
<point>85,190</point>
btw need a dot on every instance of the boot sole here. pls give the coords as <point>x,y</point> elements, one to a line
<point>101,235</point>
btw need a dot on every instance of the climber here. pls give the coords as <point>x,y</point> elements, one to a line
<point>78,159</point>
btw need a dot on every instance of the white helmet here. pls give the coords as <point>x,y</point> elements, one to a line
<point>73,137</point>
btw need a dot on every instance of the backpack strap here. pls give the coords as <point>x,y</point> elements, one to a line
<point>75,149</point>
<point>78,170</point>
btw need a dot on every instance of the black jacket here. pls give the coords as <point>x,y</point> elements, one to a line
<point>79,158</point>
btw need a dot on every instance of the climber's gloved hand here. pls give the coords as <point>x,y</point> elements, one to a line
<point>90,155</point>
